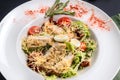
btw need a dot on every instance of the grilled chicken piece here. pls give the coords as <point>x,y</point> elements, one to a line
<point>64,64</point>
<point>55,61</point>
<point>55,54</point>
<point>50,28</point>
<point>36,41</point>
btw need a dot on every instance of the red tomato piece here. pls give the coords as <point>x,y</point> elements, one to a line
<point>34,30</point>
<point>83,46</point>
<point>64,21</point>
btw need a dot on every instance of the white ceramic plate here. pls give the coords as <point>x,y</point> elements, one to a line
<point>12,61</point>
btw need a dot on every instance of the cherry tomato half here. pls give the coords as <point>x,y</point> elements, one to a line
<point>34,30</point>
<point>64,21</point>
<point>83,46</point>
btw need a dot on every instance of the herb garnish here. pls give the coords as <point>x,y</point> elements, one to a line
<point>58,8</point>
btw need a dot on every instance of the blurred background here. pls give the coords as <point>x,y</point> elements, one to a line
<point>111,7</point>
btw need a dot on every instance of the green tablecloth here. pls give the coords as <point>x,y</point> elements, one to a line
<point>116,18</point>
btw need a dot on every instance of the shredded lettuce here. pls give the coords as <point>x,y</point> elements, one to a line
<point>71,72</point>
<point>91,47</point>
<point>83,29</point>
<point>91,44</point>
<point>79,56</point>
<point>24,46</point>
<point>76,60</point>
<point>70,47</point>
<point>75,65</point>
<point>52,77</point>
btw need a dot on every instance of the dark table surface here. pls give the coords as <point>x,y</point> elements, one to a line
<point>111,7</point>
